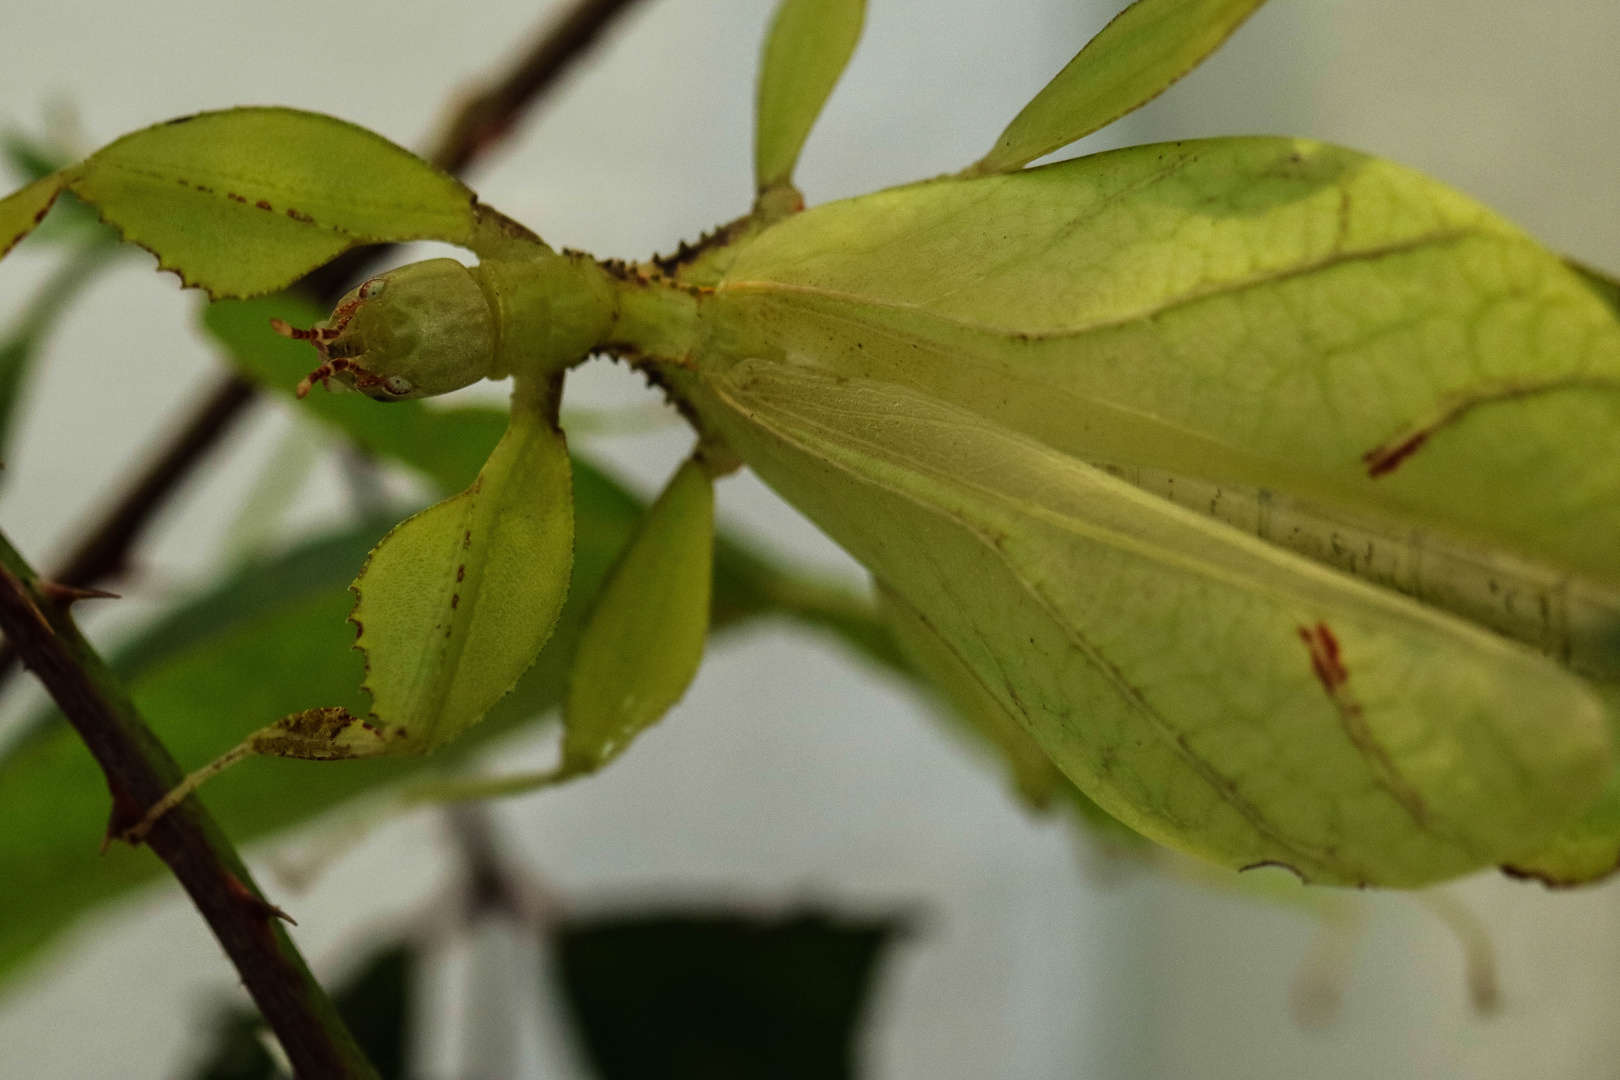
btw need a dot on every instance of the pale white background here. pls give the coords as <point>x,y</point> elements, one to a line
<point>789,775</point>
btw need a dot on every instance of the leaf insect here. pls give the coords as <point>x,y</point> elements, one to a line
<point>1268,489</point>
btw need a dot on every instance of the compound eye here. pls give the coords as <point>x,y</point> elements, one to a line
<point>371,288</point>
<point>397,386</point>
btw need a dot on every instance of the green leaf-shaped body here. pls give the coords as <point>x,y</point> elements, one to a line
<point>1150,45</point>
<point>645,637</point>
<point>809,43</point>
<point>1273,312</point>
<point>1224,697</point>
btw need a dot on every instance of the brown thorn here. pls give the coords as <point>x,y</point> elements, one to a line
<point>258,904</point>
<point>66,595</point>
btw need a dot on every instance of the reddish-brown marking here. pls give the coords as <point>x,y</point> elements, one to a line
<point>461,572</point>
<point>262,205</point>
<point>1386,459</point>
<point>39,215</point>
<point>1328,665</point>
<point>455,601</point>
<point>298,215</point>
<point>340,318</point>
<point>234,195</point>
<point>466,540</point>
<point>1325,661</point>
<point>67,595</point>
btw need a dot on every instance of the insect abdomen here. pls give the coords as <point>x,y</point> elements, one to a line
<point>1574,620</point>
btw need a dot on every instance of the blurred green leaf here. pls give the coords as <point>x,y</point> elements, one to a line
<point>264,505</point>
<point>1147,47</point>
<point>32,158</point>
<point>691,997</point>
<point>644,640</point>
<point>809,44</point>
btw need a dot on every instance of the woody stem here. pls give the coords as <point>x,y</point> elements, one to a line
<point>139,772</point>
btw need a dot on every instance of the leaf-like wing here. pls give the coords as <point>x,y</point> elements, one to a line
<point>1227,698</point>
<point>809,44</point>
<point>1273,312</point>
<point>1147,47</point>
<point>246,201</point>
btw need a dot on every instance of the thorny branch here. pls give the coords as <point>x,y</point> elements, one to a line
<point>35,619</point>
<point>481,121</point>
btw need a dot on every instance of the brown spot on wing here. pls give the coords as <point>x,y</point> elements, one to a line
<point>1325,659</point>
<point>1328,665</point>
<point>1383,460</point>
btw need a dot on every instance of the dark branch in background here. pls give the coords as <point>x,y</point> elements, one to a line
<point>493,884</point>
<point>477,126</point>
<point>139,772</point>
<point>486,118</point>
